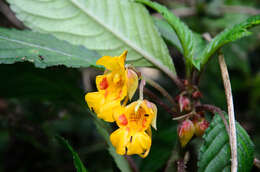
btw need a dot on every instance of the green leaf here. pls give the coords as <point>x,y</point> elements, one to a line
<point>43,50</point>
<point>76,159</point>
<point>182,30</point>
<point>168,33</point>
<point>171,37</point>
<point>107,26</point>
<point>228,35</point>
<point>214,154</point>
<point>103,128</point>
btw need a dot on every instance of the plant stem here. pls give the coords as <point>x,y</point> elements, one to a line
<point>257,163</point>
<point>131,163</point>
<point>141,89</point>
<point>231,114</point>
<point>184,116</point>
<point>175,155</point>
<point>160,89</point>
<point>7,12</point>
<point>159,102</point>
<point>174,78</point>
<point>213,109</point>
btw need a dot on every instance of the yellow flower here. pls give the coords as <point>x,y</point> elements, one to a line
<point>100,103</point>
<point>113,86</point>
<point>134,133</point>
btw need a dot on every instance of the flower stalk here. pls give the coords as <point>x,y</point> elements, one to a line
<point>231,113</point>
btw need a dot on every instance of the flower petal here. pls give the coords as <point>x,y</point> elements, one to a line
<point>104,109</point>
<point>108,109</point>
<point>119,139</point>
<point>113,63</point>
<point>102,82</point>
<point>94,100</point>
<point>140,144</point>
<point>132,82</point>
<point>152,107</point>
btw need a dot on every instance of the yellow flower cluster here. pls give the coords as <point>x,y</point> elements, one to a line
<point>118,84</point>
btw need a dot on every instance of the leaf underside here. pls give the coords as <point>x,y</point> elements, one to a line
<point>214,154</point>
<point>107,26</point>
<point>43,50</point>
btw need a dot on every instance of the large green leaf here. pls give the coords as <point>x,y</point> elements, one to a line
<point>107,26</point>
<point>215,152</point>
<point>168,33</point>
<point>42,49</point>
<point>228,35</point>
<point>76,159</point>
<point>183,32</point>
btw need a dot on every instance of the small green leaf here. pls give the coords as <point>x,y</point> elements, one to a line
<point>76,159</point>
<point>214,154</point>
<point>228,35</point>
<point>43,50</point>
<point>183,32</point>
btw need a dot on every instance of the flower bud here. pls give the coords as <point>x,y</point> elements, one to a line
<point>186,82</point>
<point>196,94</point>
<point>200,126</point>
<point>184,103</point>
<point>185,132</point>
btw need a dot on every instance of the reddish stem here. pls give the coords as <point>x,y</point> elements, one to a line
<point>159,102</point>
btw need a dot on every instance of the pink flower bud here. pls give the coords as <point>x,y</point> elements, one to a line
<point>200,126</point>
<point>184,103</point>
<point>196,94</point>
<point>185,132</point>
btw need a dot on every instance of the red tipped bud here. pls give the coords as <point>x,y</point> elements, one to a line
<point>186,82</point>
<point>184,103</point>
<point>185,132</point>
<point>196,94</point>
<point>200,126</point>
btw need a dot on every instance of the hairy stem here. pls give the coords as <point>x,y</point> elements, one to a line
<point>160,89</point>
<point>213,109</point>
<point>7,12</point>
<point>185,116</point>
<point>159,102</point>
<point>231,114</point>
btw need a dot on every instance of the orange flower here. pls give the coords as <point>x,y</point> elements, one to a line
<point>113,86</point>
<point>134,133</point>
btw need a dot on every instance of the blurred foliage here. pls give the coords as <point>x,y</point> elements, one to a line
<point>37,104</point>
